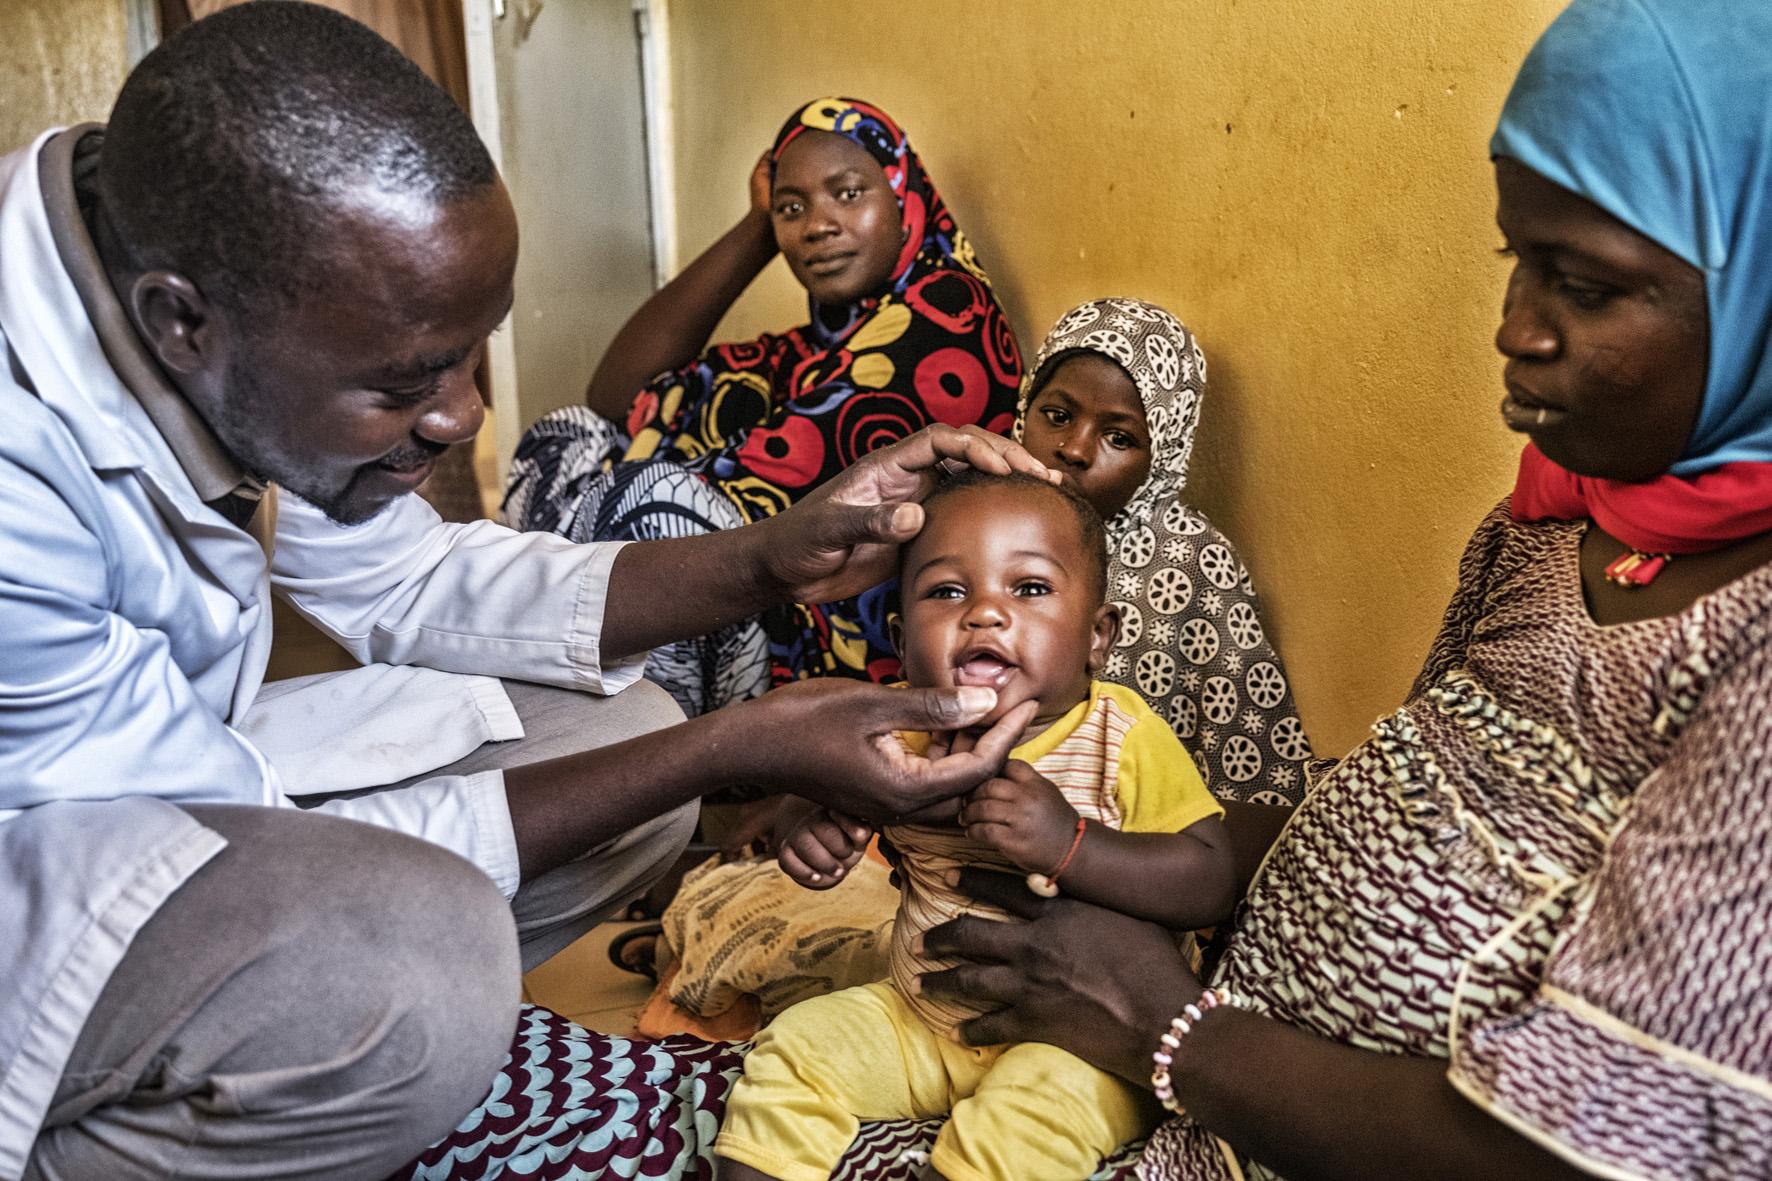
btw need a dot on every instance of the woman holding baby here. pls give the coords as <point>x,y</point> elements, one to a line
<point>1518,932</point>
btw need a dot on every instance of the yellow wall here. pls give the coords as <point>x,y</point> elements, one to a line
<point>61,61</point>
<point>1304,182</point>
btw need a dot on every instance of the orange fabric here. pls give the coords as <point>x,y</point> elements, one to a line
<point>660,1018</point>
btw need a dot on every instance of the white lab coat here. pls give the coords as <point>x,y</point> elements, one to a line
<point>134,630</point>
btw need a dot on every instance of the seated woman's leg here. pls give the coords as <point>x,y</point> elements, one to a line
<point>562,456</point>
<point>659,499</point>
<point>321,1000</point>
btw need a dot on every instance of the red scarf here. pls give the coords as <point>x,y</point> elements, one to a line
<point>1667,515</point>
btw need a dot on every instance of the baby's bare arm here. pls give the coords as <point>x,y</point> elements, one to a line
<point>1183,880</point>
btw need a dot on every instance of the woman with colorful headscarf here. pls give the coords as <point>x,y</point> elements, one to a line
<point>1521,931</point>
<point>903,331</point>
<point>1112,402</point>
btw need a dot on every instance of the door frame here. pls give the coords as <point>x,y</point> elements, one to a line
<point>651,24</point>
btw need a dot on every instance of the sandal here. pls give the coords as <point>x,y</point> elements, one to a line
<point>639,965</point>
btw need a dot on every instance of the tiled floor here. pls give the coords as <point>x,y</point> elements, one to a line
<point>581,984</point>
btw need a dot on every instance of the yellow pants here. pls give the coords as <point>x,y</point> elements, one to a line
<point>1028,1112</point>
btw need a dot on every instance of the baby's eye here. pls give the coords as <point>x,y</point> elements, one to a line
<point>945,591</point>
<point>1032,588</point>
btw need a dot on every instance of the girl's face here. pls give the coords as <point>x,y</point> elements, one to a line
<point>836,220</point>
<point>1606,333</point>
<point>1087,421</point>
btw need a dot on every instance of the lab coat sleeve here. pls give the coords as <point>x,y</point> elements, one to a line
<point>92,707</point>
<point>408,588</point>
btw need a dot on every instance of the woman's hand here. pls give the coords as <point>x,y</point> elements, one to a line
<point>844,537</point>
<point>1022,815</point>
<point>835,741</point>
<point>1086,979</point>
<point>823,848</point>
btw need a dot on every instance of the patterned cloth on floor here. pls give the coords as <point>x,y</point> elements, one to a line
<point>572,1105</point>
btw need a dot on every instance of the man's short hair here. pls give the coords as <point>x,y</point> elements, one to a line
<point>1089,522</point>
<point>231,142</point>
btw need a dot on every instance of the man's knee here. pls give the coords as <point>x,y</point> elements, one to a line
<point>560,722</point>
<point>351,990</point>
<point>402,958</point>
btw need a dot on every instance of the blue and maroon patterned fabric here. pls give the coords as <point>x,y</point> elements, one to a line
<point>572,1105</point>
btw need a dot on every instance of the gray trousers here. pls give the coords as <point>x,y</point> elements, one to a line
<point>325,998</point>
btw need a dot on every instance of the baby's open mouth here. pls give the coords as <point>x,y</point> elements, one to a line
<point>981,666</point>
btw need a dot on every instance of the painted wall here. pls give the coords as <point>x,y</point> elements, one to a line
<point>1304,182</point>
<point>61,61</point>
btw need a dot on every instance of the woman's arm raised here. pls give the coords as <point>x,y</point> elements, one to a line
<point>670,329</point>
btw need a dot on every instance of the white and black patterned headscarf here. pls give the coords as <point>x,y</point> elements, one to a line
<point>1191,640</point>
<point>1166,365</point>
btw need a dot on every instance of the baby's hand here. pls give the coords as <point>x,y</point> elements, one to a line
<point>822,848</point>
<point>1023,816</point>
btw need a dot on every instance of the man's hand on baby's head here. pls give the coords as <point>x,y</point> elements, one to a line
<point>844,537</point>
<point>823,848</point>
<point>1022,815</point>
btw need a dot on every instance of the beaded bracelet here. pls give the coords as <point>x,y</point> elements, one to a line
<point>1046,884</point>
<point>1171,1041</point>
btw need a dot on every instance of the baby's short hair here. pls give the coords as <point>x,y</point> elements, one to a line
<point>1089,522</point>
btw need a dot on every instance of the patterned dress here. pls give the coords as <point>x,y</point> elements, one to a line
<point>750,427</point>
<point>1552,867</point>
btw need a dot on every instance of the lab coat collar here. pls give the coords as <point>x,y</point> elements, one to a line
<point>49,330</point>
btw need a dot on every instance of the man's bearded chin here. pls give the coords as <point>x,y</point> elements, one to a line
<point>241,432</point>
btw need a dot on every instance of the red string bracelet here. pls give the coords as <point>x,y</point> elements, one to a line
<point>1046,884</point>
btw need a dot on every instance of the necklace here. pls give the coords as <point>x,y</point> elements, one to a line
<point>1635,569</point>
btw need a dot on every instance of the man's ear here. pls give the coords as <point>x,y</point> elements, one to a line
<point>177,323</point>
<point>1102,637</point>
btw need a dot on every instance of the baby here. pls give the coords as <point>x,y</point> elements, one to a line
<point>1003,587</point>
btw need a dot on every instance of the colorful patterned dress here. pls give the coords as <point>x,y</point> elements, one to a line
<point>749,428</point>
<point>1552,867</point>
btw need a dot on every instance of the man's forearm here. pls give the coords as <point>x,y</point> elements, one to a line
<point>562,807</point>
<point>664,591</point>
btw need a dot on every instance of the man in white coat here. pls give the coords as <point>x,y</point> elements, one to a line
<point>237,326</point>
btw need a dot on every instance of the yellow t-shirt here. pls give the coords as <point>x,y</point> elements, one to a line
<point>1114,760</point>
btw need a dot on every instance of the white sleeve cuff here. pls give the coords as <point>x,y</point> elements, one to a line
<point>495,839</point>
<point>594,674</point>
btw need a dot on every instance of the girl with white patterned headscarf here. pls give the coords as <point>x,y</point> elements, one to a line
<point>1191,640</point>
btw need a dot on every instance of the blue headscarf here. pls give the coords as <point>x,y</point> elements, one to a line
<point>1660,113</point>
